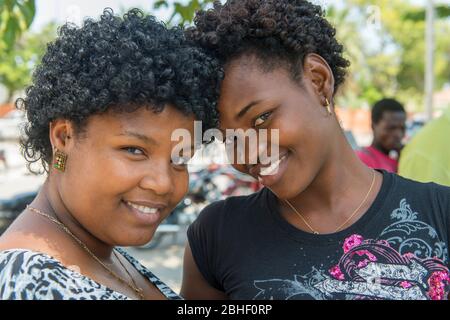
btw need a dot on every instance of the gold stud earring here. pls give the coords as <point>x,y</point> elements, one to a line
<point>328,106</point>
<point>60,160</point>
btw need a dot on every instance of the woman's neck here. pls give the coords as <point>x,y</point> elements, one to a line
<point>338,188</point>
<point>49,201</point>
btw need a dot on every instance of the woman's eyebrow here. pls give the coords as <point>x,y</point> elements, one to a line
<point>144,138</point>
<point>246,109</point>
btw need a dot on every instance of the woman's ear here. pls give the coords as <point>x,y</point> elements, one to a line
<point>317,70</point>
<point>61,134</point>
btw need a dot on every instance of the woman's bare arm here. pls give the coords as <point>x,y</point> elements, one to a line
<point>194,286</point>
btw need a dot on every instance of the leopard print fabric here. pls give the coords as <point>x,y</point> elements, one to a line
<point>30,275</point>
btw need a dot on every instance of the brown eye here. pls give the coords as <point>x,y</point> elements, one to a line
<point>262,118</point>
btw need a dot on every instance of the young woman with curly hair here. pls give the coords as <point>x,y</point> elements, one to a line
<point>101,111</point>
<point>324,226</point>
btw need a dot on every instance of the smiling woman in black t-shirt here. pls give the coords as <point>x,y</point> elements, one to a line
<point>325,226</point>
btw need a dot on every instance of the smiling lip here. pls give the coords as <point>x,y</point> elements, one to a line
<point>269,180</point>
<point>144,211</point>
<point>150,204</point>
<point>256,169</point>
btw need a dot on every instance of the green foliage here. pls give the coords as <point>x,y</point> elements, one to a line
<point>183,13</point>
<point>391,65</point>
<point>390,60</point>
<point>17,64</point>
<point>16,16</point>
<point>418,14</point>
<point>386,61</point>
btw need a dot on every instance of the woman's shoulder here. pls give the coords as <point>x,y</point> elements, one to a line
<point>23,273</point>
<point>31,275</point>
<point>237,206</point>
<point>20,262</point>
<point>427,197</point>
<point>424,189</point>
<point>224,217</point>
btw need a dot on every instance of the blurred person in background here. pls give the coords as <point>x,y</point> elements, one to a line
<point>388,126</point>
<point>426,158</point>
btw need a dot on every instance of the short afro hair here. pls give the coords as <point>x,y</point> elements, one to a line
<point>122,63</point>
<point>385,105</point>
<point>287,30</point>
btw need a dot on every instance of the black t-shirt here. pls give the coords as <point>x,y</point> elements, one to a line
<point>397,250</point>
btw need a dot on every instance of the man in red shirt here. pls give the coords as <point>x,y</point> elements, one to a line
<point>388,125</point>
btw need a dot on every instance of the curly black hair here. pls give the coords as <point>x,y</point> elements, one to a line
<point>116,62</point>
<point>286,30</point>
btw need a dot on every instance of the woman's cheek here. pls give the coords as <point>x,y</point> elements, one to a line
<point>181,187</point>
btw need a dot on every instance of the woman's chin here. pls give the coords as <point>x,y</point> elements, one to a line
<point>137,240</point>
<point>285,192</point>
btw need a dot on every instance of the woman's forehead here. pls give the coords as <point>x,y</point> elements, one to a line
<point>143,119</point>
<point>250,83</point>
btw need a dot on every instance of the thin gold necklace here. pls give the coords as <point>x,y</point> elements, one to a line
<point>133,286</point>
<point>346,221</point>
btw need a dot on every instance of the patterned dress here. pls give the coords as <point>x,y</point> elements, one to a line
<point>31,275</point>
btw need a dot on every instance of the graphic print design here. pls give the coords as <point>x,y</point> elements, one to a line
<point>399,265</point>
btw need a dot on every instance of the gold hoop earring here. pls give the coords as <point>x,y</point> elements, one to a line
<point>60,160</point>
<point>328,106</point>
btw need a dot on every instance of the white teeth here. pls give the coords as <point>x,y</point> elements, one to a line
<point>143,209</point>
<point>272,169</point>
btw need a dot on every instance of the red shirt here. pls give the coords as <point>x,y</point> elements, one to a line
<point>376,159</point>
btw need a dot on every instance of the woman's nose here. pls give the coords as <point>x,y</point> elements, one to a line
<point>159,180</point>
